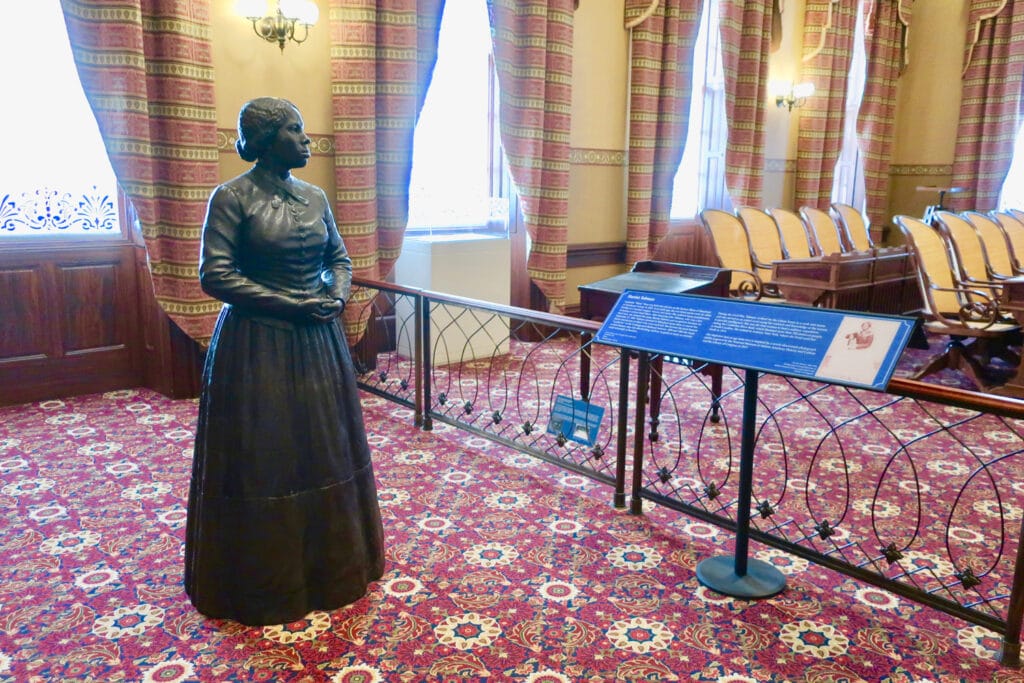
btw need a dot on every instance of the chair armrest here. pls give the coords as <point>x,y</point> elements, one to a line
<point>751,287</point>
<point>979,309</point>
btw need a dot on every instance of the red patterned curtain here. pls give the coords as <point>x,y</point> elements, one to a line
<point>662,37</point>
<point>382,57</point>
<point>992,104</point>
<point>533,54</point>
<point>829,27</point>
<point>146,69</point>
<point>747,39</point>
<point>885,34</point>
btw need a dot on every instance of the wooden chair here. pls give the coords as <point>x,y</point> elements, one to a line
<point>765,240</point>
<point>853,226</point>
<point>732,246</point>
<point>796,240</point>
<point>824,229</point>
<point>969,259</point>
<point>997,244</point>
<point>970,318</point>
<point>1014,229</point>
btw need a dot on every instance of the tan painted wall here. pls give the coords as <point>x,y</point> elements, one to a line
<point>780,124</point>
<point>927,109</point>
<point>247,67</point>
<point>597,192</point>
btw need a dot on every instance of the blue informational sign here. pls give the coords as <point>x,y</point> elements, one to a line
<point>842,347</point>
<point>576,420</point>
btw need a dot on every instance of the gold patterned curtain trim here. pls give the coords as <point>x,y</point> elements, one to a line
<point>981,10</point>
<point>904,10</point>
<point>638,12</point>
<point>183,27</point>
<point>118,14</point>
<point>149,190</point>
<point>823,32</point>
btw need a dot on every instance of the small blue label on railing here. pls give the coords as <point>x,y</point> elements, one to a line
<point>576,420</point>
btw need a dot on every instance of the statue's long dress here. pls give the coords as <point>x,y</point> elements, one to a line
<point>282,513</point>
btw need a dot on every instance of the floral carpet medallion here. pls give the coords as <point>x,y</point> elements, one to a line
<point>500,568</point>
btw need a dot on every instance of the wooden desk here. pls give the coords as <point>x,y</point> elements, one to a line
<point>598,298</point>
<point>880,280</point>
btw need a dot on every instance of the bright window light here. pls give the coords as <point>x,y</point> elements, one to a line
<point>450,188</point>
<point>700,180</point>
<point>1012,196</point>
<point>848,179</point>
<point>56,178</point>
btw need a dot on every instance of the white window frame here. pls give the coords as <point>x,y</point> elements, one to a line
<point>1011,196</point>
<point>848,176</point>
<point>703,162</point>
<point>61,192</point>
<point>463,39</point>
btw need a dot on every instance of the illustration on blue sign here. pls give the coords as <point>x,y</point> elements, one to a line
<point>860,349</point>
<point>576,420</point>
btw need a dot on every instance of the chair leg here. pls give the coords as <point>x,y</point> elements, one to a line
<point>980,352</point>
<point>972,367</point>
<point>1009,355</point>
<point>959,356</point>
<point>937,363</point>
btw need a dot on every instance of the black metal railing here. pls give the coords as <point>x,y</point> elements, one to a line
<point>918,490</point>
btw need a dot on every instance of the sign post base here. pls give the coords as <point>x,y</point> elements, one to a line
<point>761,579</point>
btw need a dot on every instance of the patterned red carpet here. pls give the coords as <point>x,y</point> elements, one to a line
<point>501,568</point>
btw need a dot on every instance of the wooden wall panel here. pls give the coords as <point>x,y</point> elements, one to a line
<point>90,296</point>
<point>74,312</point>
<point>21,303</point>
<point>78,315</point>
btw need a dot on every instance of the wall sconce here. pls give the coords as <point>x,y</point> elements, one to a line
<point>277,22</point>
<point>790,95</point>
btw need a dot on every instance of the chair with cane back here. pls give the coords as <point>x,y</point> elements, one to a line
<point>823,228</point>
<point>795,237</point>
<point>854,226</point>
<point>732,246</point>
<point>971,318</point>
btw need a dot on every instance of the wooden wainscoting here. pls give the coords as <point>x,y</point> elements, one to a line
<point>71,322</point>
<point>68,321</point>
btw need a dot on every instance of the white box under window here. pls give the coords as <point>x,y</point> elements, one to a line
<point>473,266</point>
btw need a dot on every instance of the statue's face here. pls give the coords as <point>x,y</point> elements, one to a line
<point>290,148</point>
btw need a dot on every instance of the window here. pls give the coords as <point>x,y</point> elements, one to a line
<point>56,178</point>
<point>457,182</point>
<point>848,178</point>
<point>700,181</point>
<point>1012,195</point>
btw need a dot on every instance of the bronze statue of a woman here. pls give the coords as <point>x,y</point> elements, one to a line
<point>282,512</point>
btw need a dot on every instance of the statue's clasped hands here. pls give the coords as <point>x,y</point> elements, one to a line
<point>321,310</point>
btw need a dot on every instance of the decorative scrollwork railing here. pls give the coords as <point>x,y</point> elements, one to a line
<point>915,490</point>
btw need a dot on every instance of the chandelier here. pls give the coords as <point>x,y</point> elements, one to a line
<point>280,20</point>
